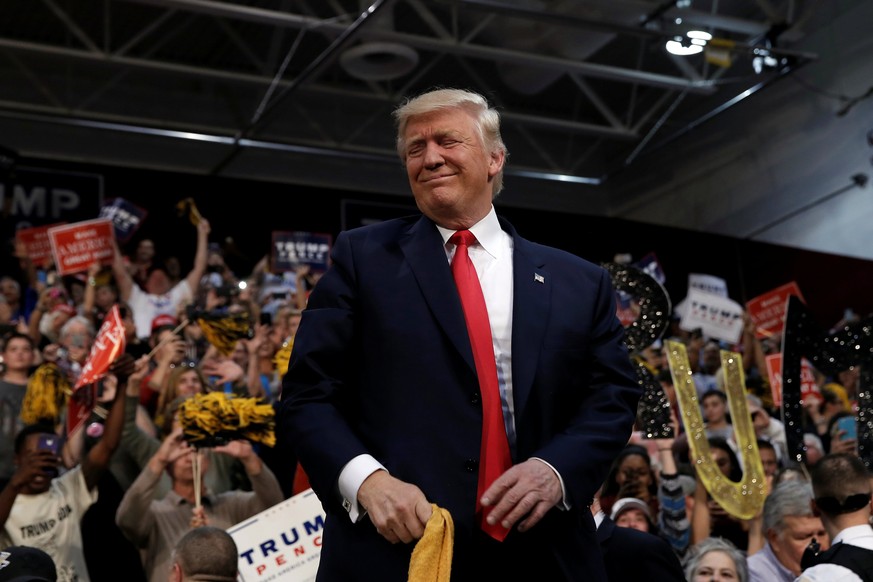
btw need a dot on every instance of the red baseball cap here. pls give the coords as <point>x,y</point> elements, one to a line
<point>66,308</point>
<point>164,319</point>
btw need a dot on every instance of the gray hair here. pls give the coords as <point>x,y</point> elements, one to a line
<point>486,117</point>
<point>699,550</point>
<point>788,499</point>
<point>74,321</point>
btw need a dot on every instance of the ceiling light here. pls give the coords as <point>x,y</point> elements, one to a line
<point>675,47</point>
<point>691,43</point>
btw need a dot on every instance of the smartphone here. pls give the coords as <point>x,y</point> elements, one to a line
<point>266,318</point>
<point>48,442</point>
<point>847,424</point>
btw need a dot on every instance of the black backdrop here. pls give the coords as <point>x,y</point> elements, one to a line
<point>245,212</point>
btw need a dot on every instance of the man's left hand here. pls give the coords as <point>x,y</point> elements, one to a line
<point>527,490</point>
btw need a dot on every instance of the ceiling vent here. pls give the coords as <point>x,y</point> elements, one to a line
<point>379,61</point>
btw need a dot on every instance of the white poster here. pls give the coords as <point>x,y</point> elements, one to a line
<point>705,283</point>
<point>717,317</point>
<point>282,542</point>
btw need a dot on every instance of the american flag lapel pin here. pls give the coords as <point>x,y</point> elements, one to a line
<point>539,278</point>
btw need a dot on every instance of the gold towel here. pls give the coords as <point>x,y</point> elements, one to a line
<point>431,559</point>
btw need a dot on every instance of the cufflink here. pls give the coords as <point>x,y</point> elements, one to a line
<point>347,505</point>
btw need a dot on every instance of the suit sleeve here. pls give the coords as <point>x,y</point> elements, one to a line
<point>312,418</point>
<point>603,412</point>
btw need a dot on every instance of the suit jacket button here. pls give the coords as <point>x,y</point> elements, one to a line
<point>475,398</point>
<point>471,465</point>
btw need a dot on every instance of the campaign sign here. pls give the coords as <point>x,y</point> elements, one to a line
<point>36,242</point>
<point>79,407</point>
<point>808,387</point>
<point>108,344</point>
<point>626,309</point>
<point>282,542</point>
<point>705,283</point>
<point>40,196</point>
<point>126,217</point>
<point>650,265</point>
<point>716,316</point>
<point>76,246</point>
<point>293,248</point>
<point>768,310</point>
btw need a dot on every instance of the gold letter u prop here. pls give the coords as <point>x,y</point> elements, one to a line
<point>744,499</point>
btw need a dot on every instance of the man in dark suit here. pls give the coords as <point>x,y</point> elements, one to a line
<point>388,397</point>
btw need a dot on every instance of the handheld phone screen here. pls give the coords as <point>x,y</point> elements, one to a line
<point>48,442</point>
<point>848,425</point>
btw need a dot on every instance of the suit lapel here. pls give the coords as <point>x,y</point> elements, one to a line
<point>424,251</point>
<point>530,310</point>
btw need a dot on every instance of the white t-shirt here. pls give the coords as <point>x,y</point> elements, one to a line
<point>51,522</point>
<point>146,307</point>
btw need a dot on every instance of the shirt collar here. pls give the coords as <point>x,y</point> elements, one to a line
<point>487,232</point>
<point>852,533</point>
<point>598,519</point>
<point>176,499</point>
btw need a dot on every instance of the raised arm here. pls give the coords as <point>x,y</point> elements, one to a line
<point>126,369</point>
<point>133,516</point>
<point>90,297</point>
<point>200,256</point>
<point>122,276</point>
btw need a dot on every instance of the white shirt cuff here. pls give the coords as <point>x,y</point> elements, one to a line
<point>563,505</point>
<point>350,480</point>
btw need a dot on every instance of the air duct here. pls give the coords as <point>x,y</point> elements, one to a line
<point>379,61</point>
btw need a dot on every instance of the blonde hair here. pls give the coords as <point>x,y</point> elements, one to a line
<point>170,394</point>
<point>487,120</point>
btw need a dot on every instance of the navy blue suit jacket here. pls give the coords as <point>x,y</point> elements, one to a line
<point>382,365</point>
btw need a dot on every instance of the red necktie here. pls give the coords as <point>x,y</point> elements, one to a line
<point>494,453</point>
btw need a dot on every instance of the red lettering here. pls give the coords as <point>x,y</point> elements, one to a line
<point>280,559</point>
<point>260,569</point>
<point>316,541</point>
<point>299,551</point>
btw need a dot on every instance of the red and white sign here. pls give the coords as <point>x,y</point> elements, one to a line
<point>36,243</point>
<point>76,246</point>
<point>108,345</point>
<point>808,387</point>
<point>768,310</point>
<point>79,407</point>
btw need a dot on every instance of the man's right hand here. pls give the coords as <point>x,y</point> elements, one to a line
<point>399,510</point>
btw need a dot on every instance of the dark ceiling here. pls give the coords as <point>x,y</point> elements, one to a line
<point>301,91</point>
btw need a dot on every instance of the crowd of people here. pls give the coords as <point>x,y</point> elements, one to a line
<point>579,491</point>
<point>123,484</point>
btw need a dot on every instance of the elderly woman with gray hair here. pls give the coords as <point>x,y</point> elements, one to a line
<point>715,559</point>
